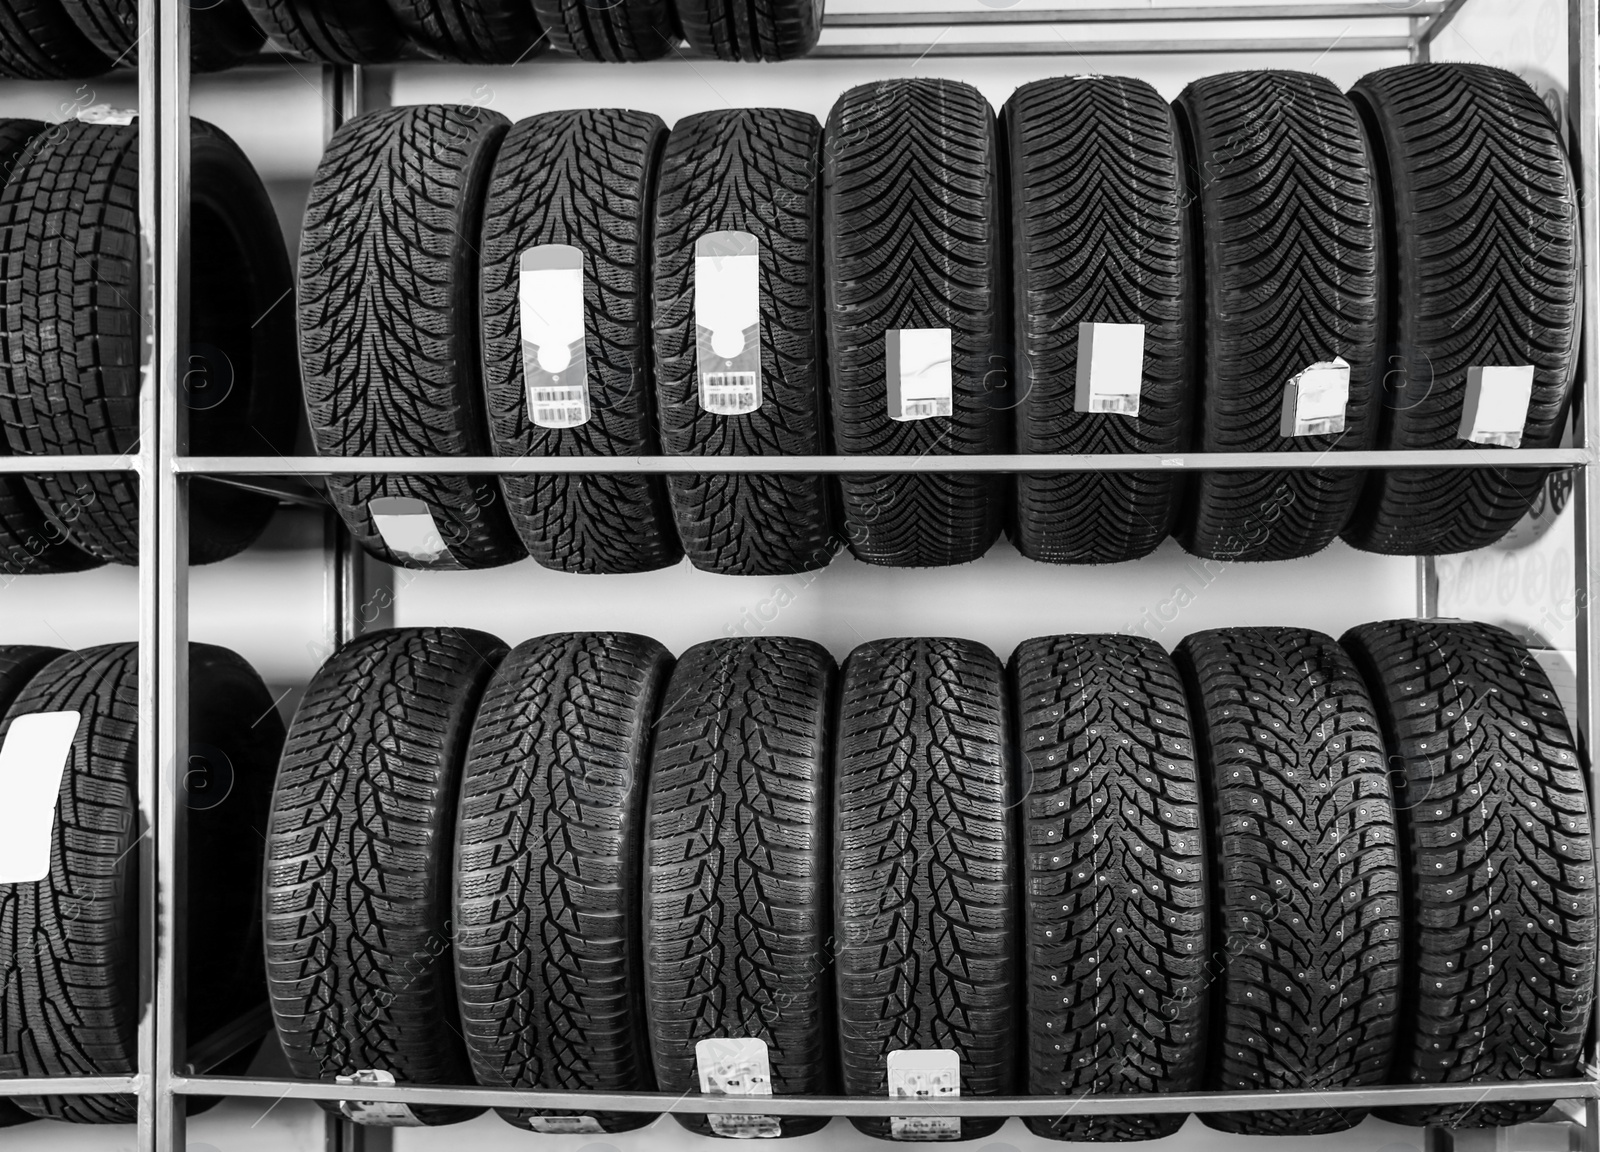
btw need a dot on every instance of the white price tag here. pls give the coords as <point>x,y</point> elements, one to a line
<point>564,1125</point>
<point>727,322</point>
<point>924,1074</point>
<point>407,527</point>
<point>372,1113</point>
<point>1495,407</point>
<point>31,763</point>
<point>1110,368</point>
<point>917,372</point>
<point>555,367</point>
<point>106,114</point>
<point>1315,400</point>
<point>731,1066</point>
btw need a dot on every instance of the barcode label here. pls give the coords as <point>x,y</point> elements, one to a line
<point>375,1114</point>
<point>737,1066</point>
<point>564,1125</point>
<point>727,322</point>
<point>924,1074</point>
<point>1110,368</point>
<point>1494,408</point>
<point>555,365</point>
<point>916,368</point>
<point>1314,402</point>
<point>729,393</point>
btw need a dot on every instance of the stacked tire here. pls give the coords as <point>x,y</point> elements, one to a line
<point>70,946</point>
<point>69,265</point>
<point>1269,861</point>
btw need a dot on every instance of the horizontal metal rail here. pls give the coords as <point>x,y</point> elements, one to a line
<point>936,18</point>
<point>1182,1102</point>
<point>1066,46</point>
<point>866,465</point>
<point>71,1085</point>
<point>43,464</point>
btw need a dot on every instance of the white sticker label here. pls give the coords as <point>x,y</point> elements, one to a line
<point>106,114</point>
<point>730,1066</point>
<point>924,1074</point>
<point>407,528</point>
<point>555,368</point>
<point>1110,368</point>
<point>917,372</point>
<point>372,1113</point>
<point>31,763</point>
<point>564,1125</point>
<point>1496,404</point>
<point>1315,400</point>
<point>727,322</point>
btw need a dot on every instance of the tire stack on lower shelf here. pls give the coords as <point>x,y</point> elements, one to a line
<point>1271,860</point>
<point>70,998</point>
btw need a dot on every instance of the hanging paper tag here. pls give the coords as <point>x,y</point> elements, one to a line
<point>737,1067</point>
<point>564,1125</point>
<point>407,528</point>
<point>1495,407</point>
<point>375,1114</point>
<point>917,372</point>
<point>555,368</point>
<point>924,1074</point>
<point>1110,368</point>
<point>106,114</point>
<point>32,760</point>
<point>1314,401</point>
<point>727,322</point>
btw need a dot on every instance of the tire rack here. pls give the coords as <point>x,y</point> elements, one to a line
<point>170,1069</point>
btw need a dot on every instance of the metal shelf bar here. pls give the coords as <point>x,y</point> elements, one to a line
<point>75,1086</point>
<point>1070,47</point>
<point>472,1096</point>
<point>938,18</point>
<point>862,465</point>
<point>44,464</point>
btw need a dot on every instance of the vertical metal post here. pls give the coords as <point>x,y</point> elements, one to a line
<point>1427,588</point>
<point>163,560</point>
<point>1583,27</point>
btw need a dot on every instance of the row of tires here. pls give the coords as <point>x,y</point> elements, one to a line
<point>70,39</point>
<point>412,339</point>
<point>1415,230</point>
<point>1269,860</point>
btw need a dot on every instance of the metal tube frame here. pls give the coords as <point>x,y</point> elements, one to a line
<point>166,1074</point>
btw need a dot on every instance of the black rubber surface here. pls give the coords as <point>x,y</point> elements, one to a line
<point>333,31</point>
<point>1305,872</point>
<point>1286,228</point>
<point>582,178</point>
<point>221,32</point>
<point>389,321</point>
<point>1100,234</point>
<point>913,237</point>
<point>72,335</point>
<point>925,846</point>
<point>1484,231</point>
<point>69,998</point>
<point>615,30</point>
<point>1497,859</point>
<point>472,31</point>
<point>29,541</point>
<point>40,41</point>
<point>751,29</point>
<point>736,865</point>
<point>548,946</point>
<point>1113,876</point>
<point>751,170</point>
<point>358,917</point>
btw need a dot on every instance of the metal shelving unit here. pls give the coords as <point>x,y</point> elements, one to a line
<point>171,1070</point>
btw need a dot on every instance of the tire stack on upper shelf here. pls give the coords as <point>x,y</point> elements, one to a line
<point>1271,860</point>
<point>74,39</point>
<point>70,932</point>
<point>1244,270</point>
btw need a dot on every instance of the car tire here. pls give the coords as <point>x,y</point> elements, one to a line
<point>749,170</point>
<point>1100,234</point>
